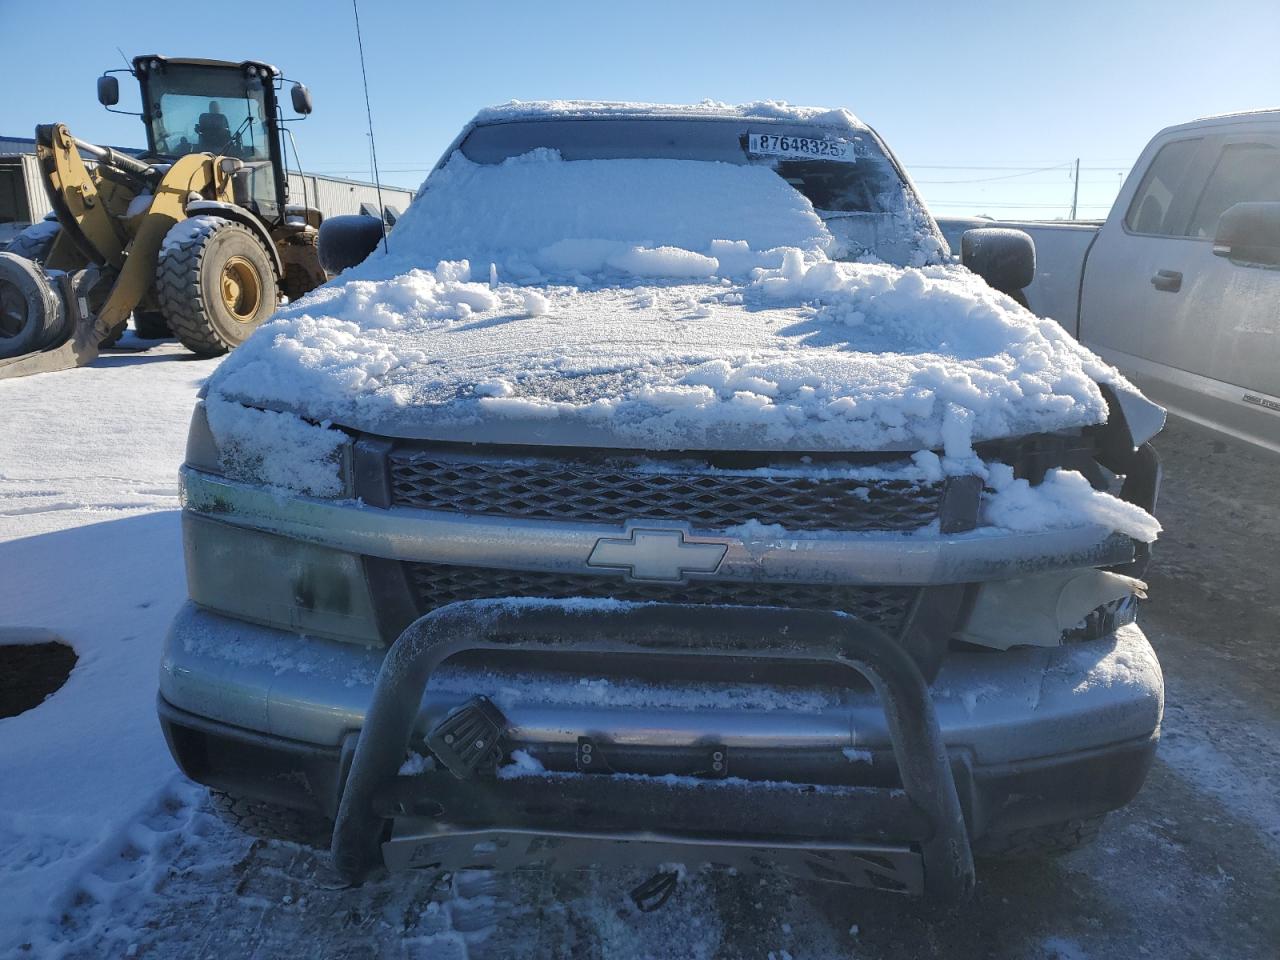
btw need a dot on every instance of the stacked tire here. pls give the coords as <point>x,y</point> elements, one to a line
<point>32,314</point>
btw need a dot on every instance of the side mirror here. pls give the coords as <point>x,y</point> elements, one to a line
<point>1249,233</point>
<point>108,91</point>
<point>1005,258</point>
<point>346,240</point>
<point>301,97</point>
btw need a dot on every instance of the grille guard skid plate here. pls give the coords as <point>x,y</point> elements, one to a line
<point>940,850</point>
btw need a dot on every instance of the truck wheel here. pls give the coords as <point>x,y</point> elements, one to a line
<point>1049,840</point>
<point>35,241</point>
<point>31,313</point>
<point>271,821</point>
<point>216,284</point>
<point>151,325</point>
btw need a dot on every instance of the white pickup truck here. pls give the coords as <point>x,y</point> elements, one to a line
<point>1180,286</point>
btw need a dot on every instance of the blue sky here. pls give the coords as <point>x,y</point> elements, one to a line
<point>962,92</point>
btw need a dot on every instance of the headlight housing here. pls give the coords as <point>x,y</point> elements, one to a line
<point>1050,609</point>
<point>277,581</point>
<point>271,448</point>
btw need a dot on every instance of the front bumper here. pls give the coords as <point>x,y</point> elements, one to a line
<point>1033,736</point>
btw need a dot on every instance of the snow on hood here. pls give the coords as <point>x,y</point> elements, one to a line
<point>659,304</point>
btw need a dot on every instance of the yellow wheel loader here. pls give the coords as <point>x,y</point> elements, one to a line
<point>197,236</point>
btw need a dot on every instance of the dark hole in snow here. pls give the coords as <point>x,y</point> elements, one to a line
<point>31,672</point>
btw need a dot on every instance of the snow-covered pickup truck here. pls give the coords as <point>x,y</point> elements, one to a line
<point>666,493</point>
<point>1180,286</point>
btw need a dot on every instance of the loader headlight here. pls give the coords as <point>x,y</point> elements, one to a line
<point>277,581</point>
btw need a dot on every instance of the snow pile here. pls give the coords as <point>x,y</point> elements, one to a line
<point>537,216</point>
<point>1063,499</point>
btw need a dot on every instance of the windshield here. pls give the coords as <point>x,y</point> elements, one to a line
<point>852,184</point>
<point>193,109</point>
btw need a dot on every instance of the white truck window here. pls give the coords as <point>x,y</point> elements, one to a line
<point>1149,211</point>
<point>1245,172</point>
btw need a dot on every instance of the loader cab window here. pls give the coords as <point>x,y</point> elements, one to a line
<point>206,110</point>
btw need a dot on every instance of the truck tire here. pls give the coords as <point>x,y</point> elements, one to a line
<point>31,310</point>
<point>35,241</point>
<point>216,284</point>
<point>1049,840</point>
<point>258,818</point>
<point>151,325</point>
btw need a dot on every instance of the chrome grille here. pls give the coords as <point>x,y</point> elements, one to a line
<point>611,493</point>
<point>435,584</point>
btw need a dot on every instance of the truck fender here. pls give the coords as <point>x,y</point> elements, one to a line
<point>229,211</point>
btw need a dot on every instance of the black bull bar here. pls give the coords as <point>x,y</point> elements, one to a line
<point>935,860</point>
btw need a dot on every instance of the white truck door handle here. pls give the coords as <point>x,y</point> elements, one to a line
<point>1170,281</point>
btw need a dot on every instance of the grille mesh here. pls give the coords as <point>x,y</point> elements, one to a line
<point>609,493</point>
<point>436,584</point>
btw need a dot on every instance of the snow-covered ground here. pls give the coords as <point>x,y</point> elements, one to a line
<point>105,851</point>
<point>90,548</point>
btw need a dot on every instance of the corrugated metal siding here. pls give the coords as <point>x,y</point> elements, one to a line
<point>36,200</point>
<point>334,197</point>
<point>37,197</point>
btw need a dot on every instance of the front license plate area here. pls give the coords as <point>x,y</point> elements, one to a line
<point>417,844</point>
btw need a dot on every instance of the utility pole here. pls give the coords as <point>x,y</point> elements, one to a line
<point>1075,189</point>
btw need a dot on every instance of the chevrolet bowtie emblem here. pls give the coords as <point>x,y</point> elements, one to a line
<point>657,554</point>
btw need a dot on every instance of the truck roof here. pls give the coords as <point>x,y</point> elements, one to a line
<point>1223,119</point>
<point>760,110</point>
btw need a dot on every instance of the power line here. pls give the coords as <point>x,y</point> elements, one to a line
<point>1005,176</point>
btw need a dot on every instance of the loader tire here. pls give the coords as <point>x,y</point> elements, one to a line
<point>31,310</point>
<point>302,270</point>
<point>151,325</point>
<point>216,284</point>
<point>35,241</point>
<point>260,818</point>
<point>1036,843</point>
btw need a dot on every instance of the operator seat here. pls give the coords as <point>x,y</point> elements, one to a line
<point>213,129</point>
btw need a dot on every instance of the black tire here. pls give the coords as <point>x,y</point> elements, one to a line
<point>1034,843</point>
<point>35,241</point>
<point>258,818</point>
<point>31,310</point>
<point>197,256</point>
<point>302,270</point>
<point>151,325</point>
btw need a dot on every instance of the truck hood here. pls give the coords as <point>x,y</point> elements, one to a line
<point>804,355</point>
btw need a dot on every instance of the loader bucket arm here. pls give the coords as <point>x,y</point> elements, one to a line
<point>73,193</point>
<point>192,173</point>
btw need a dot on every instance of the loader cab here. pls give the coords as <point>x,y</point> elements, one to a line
<point>225,109</point>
